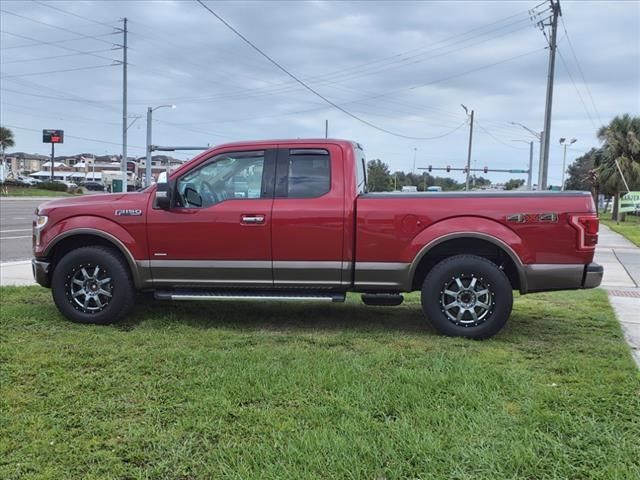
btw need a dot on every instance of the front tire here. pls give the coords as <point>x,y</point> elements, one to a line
<point>93,285</point>
<point>467,296</point>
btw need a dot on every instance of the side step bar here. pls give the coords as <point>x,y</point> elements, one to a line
<point>235,295</point>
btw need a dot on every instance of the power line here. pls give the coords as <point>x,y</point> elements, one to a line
<point>60,10</point>
<point>57,27</point>
<point>92,67</point>
<point>51,57</point>
<point>76,137</point>
<point>30,111</point>
<point>351,73</point>
<point>497,139</point>
<point>41,42</point>
<point>310,89</point>
<point>584,105</point>
<point>584,80</point>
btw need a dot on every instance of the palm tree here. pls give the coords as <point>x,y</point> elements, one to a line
<point>6,141</point>
<point>621,145</point>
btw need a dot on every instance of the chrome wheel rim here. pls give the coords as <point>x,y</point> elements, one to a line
<point>89,288</point>
<point>466,300</point>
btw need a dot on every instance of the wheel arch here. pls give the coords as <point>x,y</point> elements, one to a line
<point>475,243</point>
<point>77,237</point>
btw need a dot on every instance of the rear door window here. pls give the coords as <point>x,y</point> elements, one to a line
<point>308,174</point>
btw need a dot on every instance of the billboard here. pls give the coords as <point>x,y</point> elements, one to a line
<point>629,202</point>
<point>52,136</point>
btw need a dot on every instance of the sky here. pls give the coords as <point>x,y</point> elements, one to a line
<point>403,67</point>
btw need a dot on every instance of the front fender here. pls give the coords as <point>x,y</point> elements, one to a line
<point>98,226</point>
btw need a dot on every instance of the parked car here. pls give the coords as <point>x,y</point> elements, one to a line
<point>69,185</point>
<point>27,181</point>
<point>94,186</point>
<point>293,220</point>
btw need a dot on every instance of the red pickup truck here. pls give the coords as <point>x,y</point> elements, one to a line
<point>293,220</point>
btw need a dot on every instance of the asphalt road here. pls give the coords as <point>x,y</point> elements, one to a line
<point>16,217</point>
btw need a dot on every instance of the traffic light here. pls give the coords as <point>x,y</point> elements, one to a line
<point>465,169</point>
<point>448,168</point>
<point>485,169</point>
<point>429,168</point>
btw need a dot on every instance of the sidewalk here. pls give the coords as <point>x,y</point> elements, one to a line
<point>16,273</point>
<point>621,261</point>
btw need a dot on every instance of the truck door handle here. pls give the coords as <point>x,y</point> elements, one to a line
<point>252,219</point>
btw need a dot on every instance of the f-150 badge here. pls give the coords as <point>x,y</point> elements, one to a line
<point>126,212</point>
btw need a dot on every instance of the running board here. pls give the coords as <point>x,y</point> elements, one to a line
<point>235,295</point>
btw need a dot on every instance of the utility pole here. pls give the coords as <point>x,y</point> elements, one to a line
<point>556,12</point>
<point>124,106</point>
<point>147,162</point>
<point>470,141</point>
<point>326,129</point>
<point>415,152</point>
<point>529,185</point>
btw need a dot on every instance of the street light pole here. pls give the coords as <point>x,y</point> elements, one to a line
<point>147,162</point>
<point>530,174</point>
<point>538,136</point>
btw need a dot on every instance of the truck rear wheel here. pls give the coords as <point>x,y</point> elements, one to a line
<point>92,285</point>
<point>467,296</point>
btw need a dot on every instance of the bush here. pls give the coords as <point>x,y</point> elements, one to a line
<point>55,186</point>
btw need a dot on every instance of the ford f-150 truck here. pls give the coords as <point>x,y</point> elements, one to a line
<point>293,220</point>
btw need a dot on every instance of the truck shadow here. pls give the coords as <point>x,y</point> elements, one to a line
<point>278,316</point>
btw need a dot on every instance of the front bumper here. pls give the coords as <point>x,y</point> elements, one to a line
<point>41,272</point>
<point>548,277</point>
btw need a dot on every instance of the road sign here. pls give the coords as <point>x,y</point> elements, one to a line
<point>52,136</point>
<point>629,202</point>
<point>518,171</point>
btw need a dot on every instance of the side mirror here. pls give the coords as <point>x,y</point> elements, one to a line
<point>163,192</point>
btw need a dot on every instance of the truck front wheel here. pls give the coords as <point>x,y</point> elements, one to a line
<point>467,296</point>
<point>92,285</point>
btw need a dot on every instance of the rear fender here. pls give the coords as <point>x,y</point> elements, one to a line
<point>468,227</point>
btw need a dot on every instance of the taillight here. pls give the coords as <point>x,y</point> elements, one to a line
<point>587,226</point>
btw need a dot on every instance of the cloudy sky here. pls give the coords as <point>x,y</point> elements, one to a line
<point>404,67</point>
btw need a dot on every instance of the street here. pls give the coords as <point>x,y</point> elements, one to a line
<point>16,217</point>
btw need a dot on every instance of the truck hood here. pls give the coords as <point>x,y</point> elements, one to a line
<point>93,202</point>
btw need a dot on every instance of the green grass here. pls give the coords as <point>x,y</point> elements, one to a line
<point>14,191</point>
<point>630,228</point>
<point>274,391</point>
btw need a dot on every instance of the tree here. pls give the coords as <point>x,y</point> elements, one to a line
<point>578,173</point>
<point>621,148</point>
<point>582,173</point>
<point>6,141</point>
<point>513,184</point>
<point>378,176</point>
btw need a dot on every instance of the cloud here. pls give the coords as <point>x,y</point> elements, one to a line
<point>406,66</point>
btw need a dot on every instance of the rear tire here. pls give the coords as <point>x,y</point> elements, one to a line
<point>467,296</point>
<point>93,285</point>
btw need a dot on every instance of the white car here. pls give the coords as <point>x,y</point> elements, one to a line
<point>69,185</point>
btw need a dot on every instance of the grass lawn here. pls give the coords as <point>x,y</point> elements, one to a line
<point>273,391</point>
<point>630,228</point>
<point>14,191</point>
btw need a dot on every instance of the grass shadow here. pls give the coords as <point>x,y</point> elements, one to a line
<point>278,316</point>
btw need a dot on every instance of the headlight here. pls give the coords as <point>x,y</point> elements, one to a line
<point>38,224</point>
<point>41,221</point>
